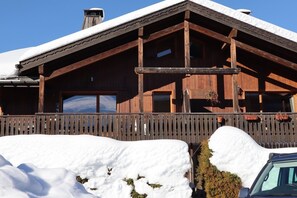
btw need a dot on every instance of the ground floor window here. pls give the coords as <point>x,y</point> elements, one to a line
<point>269,102</point>
<point>89,103</point>
<point>161,102</point>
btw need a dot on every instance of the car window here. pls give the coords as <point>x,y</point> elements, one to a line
<point>279,178</point>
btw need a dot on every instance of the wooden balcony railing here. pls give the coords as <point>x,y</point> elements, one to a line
<point>267,129</point>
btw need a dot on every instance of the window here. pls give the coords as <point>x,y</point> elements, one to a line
<point>164,53</point>
<point>271,102</point>
<point>89,103</point>
<point>161,102</point>
<point>165,48</point>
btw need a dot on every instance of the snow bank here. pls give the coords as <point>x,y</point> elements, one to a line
<point>236,152</point>
<point>28,181</point>
<point>106,162</point>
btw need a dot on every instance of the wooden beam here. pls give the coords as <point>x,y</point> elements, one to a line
<point>183,70</point>
<point>140,65</point>
<point>187,44</point>
<point>209,33</point>
<point>266,55</point>
<point>232,34</point>
<point>41,89</point>
<point>234,76</point>
<point>164,32</point>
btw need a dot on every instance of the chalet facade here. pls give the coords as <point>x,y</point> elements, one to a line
<point>180,56</point>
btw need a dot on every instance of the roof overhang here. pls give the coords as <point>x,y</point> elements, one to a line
<point>20,81</point>
<point>154,17</point>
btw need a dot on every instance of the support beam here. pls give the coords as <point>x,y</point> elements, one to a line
<point>41,89</point>
<point>266,55</point>
<point>183,70</point>
<point>140,65</point>
<point>187,44</point>
<point>209,33</point>
<point>234,76</point>
<point>232,34</point>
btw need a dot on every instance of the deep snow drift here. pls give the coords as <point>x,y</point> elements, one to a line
<point>105,162</point>
<point>236,152</point>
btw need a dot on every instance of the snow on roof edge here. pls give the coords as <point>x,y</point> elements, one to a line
<point>261,24</point>
<point>249,19</point>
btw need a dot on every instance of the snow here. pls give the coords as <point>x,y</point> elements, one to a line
<point>236,152</point>
<point>8,60</point>
<point>47,165</point>
<point>153,8</point>
<point>105,162</point>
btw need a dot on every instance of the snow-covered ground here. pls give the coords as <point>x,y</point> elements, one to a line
<point>46,166</point>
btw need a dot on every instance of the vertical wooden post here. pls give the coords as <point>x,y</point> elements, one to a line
<point>187,39</point>
<point>41,89</point>
<point>234,76</point>
<point>187,62</point>
<point>140,64</point>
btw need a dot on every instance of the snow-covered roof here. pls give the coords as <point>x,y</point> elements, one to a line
<point>8,61</point>
<point>25,54</point>
<point>153,8</point>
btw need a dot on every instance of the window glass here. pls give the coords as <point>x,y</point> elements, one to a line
<point>161,102</point>
<point>83,104</point>
<point>164,53</point>
<point>107,103</point>
<point>271,102</point>
<point>274,102</point>
<point>252,102</point>
<point>89,103</point>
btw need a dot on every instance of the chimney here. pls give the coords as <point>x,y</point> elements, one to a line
<point>92,17</point>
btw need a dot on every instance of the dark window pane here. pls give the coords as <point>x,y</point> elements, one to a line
<point>273,102</point>
<point>161,102</point>
<point>252,102</point>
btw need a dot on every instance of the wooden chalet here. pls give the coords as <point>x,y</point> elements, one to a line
<point>176,69</point>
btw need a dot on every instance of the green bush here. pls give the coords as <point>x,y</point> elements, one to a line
<point>214,182</point>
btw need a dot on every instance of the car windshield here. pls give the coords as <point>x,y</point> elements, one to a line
<point>277,179</point>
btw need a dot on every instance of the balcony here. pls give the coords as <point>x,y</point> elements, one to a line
<point>268,129</point>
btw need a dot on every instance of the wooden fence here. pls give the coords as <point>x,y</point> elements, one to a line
<point>268,129</point>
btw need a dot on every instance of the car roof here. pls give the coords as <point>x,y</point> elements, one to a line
<point>275,157</point>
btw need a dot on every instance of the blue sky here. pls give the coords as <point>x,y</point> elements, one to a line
<point>26,23</point>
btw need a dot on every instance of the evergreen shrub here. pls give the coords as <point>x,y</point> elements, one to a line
<point>216,184</point>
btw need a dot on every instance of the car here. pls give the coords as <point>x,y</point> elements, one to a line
<point>278,178</point>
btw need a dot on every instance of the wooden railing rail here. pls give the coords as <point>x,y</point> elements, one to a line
<point>265,128</point>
